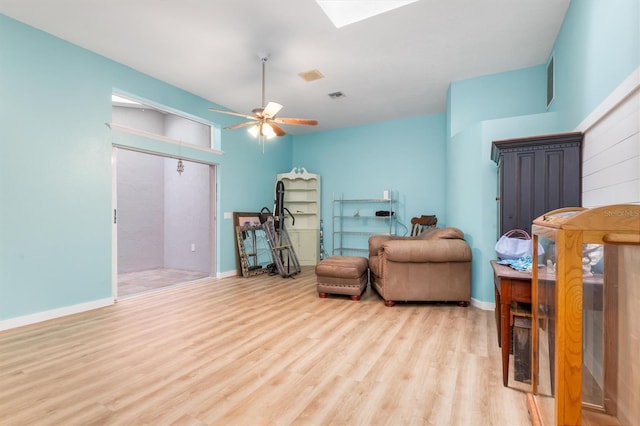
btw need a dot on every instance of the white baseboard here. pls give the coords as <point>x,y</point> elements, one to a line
<point>227,274</point>
<point>54,313</point>
<point>485,306</point>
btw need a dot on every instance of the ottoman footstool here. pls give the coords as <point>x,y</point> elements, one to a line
<point>347,275</point>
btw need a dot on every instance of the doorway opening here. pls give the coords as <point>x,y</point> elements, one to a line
<point>165,228</point>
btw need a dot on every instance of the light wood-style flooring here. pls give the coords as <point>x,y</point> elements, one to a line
<point>134,283</point>
<point>258,351</point>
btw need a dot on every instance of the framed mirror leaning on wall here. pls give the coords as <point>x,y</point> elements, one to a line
<point>253,253</point>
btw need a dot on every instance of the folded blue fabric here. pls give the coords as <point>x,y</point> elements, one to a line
<point>522,264</point>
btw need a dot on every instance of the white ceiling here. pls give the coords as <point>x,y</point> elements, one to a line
<point>394,65</point>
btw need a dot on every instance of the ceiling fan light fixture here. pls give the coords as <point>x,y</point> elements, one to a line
<point>267,131</point>
<point>262,130</point>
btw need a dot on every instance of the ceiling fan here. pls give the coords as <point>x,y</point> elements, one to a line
<point>263,119</point>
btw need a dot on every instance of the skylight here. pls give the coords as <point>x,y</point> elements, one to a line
<point>345,12</point>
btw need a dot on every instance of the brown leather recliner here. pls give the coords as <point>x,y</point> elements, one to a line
<point>433,266</point>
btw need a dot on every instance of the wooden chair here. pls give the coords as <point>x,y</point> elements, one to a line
<point>419,224</point>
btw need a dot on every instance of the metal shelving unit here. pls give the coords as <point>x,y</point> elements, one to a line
<point>355,220</point>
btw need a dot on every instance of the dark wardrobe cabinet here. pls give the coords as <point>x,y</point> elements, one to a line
<point>536,175</point>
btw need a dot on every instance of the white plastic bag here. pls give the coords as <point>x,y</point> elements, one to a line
<point>515,244</point>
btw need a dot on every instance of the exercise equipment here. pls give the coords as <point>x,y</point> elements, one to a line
<point>279,241</point>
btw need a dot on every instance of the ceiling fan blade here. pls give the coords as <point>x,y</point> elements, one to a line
<point>237,126</point>
<point>222,111</point>
<point>296,121</point>
<point>271,109</point>
<point>277,129</point>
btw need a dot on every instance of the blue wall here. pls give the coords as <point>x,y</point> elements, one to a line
<point>472,183</point>
<point>56,175</point>
<point>481,110</point>
<point>55,167</point>
<point>405,156</point>
<point>507,94</point>
<point>597,48</point>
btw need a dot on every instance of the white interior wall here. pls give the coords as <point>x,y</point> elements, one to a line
<point>186,130</point>
<point>186,218</point>
<point>140,211</point>
<point>611,148</point>
<point>148,120</point>
<point>163,217</point>
<point>187,223</point>
<point>611,175</point>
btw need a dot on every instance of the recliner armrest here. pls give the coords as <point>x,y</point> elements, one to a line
<point>420,251</point>
<point>376,242</point>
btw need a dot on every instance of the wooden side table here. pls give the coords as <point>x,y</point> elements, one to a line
<point>510,286</point>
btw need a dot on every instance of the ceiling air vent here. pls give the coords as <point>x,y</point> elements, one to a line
<point>311,75</point>
<point>336,95</point>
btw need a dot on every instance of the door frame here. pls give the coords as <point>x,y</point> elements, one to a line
<point>213,213</point>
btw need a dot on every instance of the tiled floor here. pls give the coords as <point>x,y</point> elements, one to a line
<point>132,283</point>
